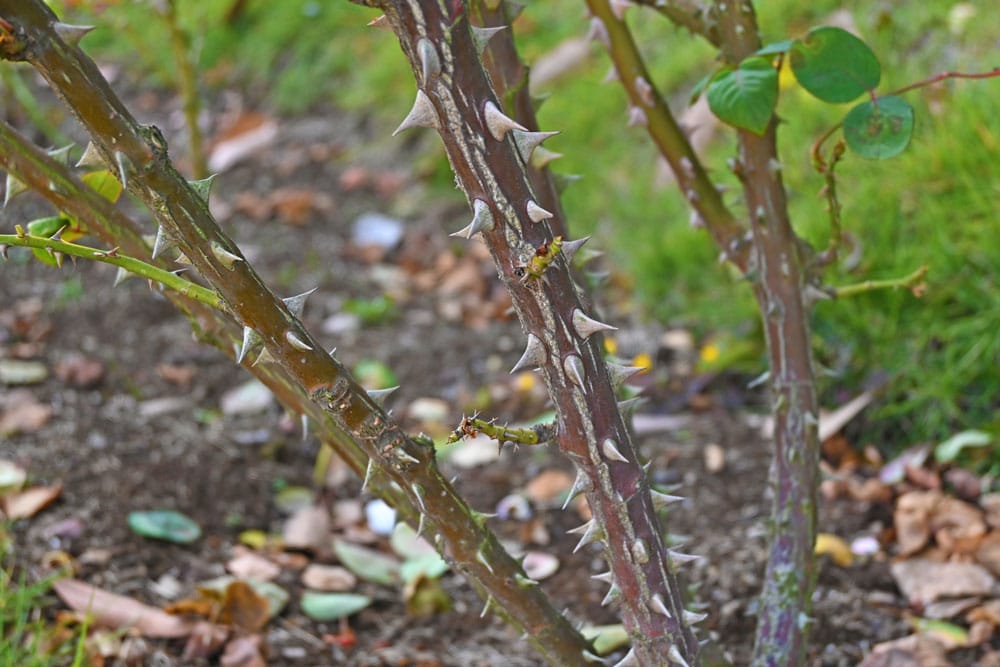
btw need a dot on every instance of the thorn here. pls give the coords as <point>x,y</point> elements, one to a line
<point>591,533</point>
<point>619,7</point>
<point>588,326</point>
<point>527,142</point>
<point>580,484</point>
<point>639,552</point>
<point>536,213</point>
<point>523,581</point>
<point>380,22</point>
<point>573,365</point>
<point>60,155</point>
<point>163,242</point>
<point>611,76</point>
<point>678,557</point>
<point>481,36</point>
<point>58,256</point>
<point>662,500</point>
<point>369,471</point>
<point>606,577</point>
<point>693,617</point>
<point>304,421</point>
<point>296,304</point>
<point>569,248</point>
<point>91,157</point>
<point>645,91</point>
<point>481,559</point>
<point>636,117</point>
<point>250,340</point>
<point>592,657</point>
<point>422,114</point>
<point>296,342</point>
<point>563,181</point>
<point>543,156</point>
<point>379,395</point>
<point>497,123</point>
<point>265,357</point>
<point>203,187</point>
<point>534,355</point>
<point>121,275</point>
<point>486,607</point>
<point>430,64</point>
<point>614,594</point>
<point>610,450</point>
<point>630,660</point>
<point>125,167</point>
<point>630,405</point>
<point>406,457</point>
<point>420,524</point>
<point>71,34</point>
<point>599,32</point>
<point>226,258</point>
<point>4,248</point>
<point>14,187</point>
<point>657,605</point>
<point>619,373</point>
<point>675,654</point>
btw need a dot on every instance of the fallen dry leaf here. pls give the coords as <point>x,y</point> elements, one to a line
<point>548,487</point>
<point>178,374</point>
<point>329,578</point>
<point>307,529</point>
<point>244,652</point>
<point>835,547</point>
<point>958,526</point>
<point>248,133</point>
<point>243,608</point>
<point>249,565</point>
<point>22,413</point>
<point>912,651</point>
<point>988,553</point>
<point>923,581</point>
<point>912,519</point>
<point>205,640</point>
<point>29,502</point>
<point>79,371</point>
<point>991,505</point>
<point>119,612</point>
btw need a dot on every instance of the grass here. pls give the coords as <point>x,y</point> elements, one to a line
<point>26,640</point>
<point>935,204</point>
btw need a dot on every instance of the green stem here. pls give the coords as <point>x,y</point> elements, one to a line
<point>187,83</point>
<point>130,264</point>
<point>913,282</point>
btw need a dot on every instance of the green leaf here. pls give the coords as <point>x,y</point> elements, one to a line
<point>834,65</point>
<point>880,129</point>
<point>46,227</point>
<point>368,564</point>
<point>104,183</point>
<point>165,525</point>
<point>373,374</point>
<point>430,566</point>
<point>950,449</point>
<point>700,87</point>
<point>745,97</point>
<point>774,48</point>
<point>332,606</point>
<point>606,638</point>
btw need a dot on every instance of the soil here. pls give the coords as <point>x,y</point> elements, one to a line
<point>136,440</point>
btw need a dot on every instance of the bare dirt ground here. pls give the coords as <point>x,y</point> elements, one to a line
<point>149,433</point>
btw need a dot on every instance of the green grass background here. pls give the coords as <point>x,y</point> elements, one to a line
<point>936,204</point>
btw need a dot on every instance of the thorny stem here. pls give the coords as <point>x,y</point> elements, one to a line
<point>510,78</point>
<point>456,98</point>
<point>779,287</point>
<point>28,31</point>
<point>913,282</point>
<point>673,144</point>
<point>695,16</point>
<point>187,83</point>
<point>166,278</point>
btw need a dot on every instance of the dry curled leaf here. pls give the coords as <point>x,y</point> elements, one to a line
<point>110,610</point>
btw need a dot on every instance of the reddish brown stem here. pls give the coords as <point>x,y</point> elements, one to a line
<point>779,270</point>
<point>140,154</point>
<point>457,99</point>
